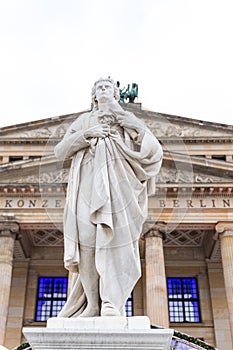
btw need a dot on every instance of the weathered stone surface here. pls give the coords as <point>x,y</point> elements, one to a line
<point>99,333</point>
<point>104,322</point>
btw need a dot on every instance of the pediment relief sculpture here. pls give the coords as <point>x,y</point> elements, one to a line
<point>55,131</point>
<point>166,175</point>
<point>167,128</point>
<point>40,177</point>
<point>161,125</point>
<point>171,175</point>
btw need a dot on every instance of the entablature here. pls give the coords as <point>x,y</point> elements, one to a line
<point>197,140</point>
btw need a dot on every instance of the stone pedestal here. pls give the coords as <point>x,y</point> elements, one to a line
<point>99,333</point>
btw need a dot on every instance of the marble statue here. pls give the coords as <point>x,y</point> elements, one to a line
<point>115,161</point>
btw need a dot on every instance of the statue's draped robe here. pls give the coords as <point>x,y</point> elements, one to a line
<point>110,179</point>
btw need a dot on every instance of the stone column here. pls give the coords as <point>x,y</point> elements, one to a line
<point>219,306</point>
<point>224,231</point>
<point>156,286</point>
<point>8,232</point>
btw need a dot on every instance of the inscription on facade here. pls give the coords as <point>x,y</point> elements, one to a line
<point>213,202</point>
<point>32,203</point>
<point>155,202</point>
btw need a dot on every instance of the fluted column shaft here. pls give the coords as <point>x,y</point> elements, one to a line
<point>156,287</point>
<point>7,239</point>
<point>225,233</point>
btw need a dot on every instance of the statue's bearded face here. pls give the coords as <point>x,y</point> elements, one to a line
<point>104,91</point>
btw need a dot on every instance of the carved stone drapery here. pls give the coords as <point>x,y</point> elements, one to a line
<point>156,288</point>
<point>224,231</point>
<point>8,231</point>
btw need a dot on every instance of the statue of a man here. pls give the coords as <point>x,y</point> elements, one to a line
<point>115,161</point>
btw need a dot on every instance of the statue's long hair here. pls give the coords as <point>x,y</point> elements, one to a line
<point>93,92</point>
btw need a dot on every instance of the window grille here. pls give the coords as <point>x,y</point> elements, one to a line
<point>183,300</point>
<point>51,296</point>
<point>129,306</point>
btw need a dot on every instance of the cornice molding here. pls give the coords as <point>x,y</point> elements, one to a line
<point>54,140</point>
<point>32,189</point>
<point>29,141</point>
<point>197,140</point>
<point>53,187</point>
<point>180,158</point>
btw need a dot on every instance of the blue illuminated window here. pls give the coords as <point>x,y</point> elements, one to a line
<point>183,300</point>
<point>51,296</point>
<point>129,306</point>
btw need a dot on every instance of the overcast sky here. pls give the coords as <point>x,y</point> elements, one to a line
<point>180,52</point>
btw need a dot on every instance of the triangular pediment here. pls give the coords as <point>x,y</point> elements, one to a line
<point>41,129</point>
<point>169,126</point>
<point>162,125</point>
<point>175,133</point>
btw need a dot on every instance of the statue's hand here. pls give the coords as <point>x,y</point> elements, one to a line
<point>97,131</point>
<point>128,120</point>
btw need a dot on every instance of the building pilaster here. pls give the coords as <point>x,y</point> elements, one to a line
<point>224,231</point>
<point>8,231</point>
<point>156,286</point>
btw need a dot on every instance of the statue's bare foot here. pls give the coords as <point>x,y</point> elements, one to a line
<point>90,311</point>
<point>108,309</point>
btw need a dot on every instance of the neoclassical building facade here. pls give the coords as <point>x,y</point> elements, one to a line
<point>186,247</point>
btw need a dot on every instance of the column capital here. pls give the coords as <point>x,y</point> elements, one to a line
<point>223,229</point>
<point>8,227</point>
<point>157,229</point>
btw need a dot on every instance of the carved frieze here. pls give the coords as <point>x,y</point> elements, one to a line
<point>166,129</point>
<point>171,175</point>
<point>169,126</point>
<point>54,131</point>
<point>57,176</point>
<point>166,176</point>
<point>160,124</point>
